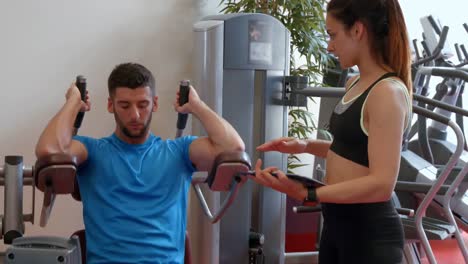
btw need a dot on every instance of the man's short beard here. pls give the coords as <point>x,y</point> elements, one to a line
<point>126,132</point>
<point>142,133</point>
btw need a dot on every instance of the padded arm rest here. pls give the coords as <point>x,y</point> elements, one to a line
<point>54,174</point>
<point>224,176</point>
<point>226,166</point>
<point>57,172</point>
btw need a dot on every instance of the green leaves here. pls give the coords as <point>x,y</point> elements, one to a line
<point>301,123</point>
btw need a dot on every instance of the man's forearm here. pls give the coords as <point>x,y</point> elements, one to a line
<point>57,136</point>
<point>220,132</point>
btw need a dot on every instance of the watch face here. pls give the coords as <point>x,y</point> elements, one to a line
<point>311,195</point>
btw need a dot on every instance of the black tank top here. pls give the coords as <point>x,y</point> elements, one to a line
<point>349,141</point>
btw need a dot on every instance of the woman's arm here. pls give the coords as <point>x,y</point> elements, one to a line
<point>290,145</point>
<point>386,109</point>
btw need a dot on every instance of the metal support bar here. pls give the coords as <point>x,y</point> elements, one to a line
<point>421,211</point>
<point>227,201</point>
<point>301,257</point>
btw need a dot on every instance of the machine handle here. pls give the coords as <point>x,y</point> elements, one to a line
<point>81,84</point>
<point>441,105</point>
<point>184,89</point>
<point>459,73</point>
<point>438,49</point>
<point>416,49</point>
<point>307,209</point>
<point>463,49</point>
<point>405,211</point>
<point>457,50</point>
<point>434,25</point>
<point>426,48</point>
<point>434,116</point>
<point>442,39</point>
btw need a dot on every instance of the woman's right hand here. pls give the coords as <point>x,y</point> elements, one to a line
<point>280,182</point>
<point>284,145</point>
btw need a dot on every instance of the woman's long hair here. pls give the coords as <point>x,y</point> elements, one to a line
<point>388,34</point>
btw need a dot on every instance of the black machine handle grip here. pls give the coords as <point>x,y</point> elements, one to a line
<point>442,39</point>
<point>450,72</point>
<point>81,84</point>
<point>434,116</point>
<point>426,48</point>
<point>434,25</point>
<point>441,105</point>
<point>459,55</point>
<point>416,49</point>
<point>184,89</point>
<point>438,49</point>
<point>463,49</point>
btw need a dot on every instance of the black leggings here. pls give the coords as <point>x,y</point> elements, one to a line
<point>370,233</point>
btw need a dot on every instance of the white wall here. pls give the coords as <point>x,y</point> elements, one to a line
<point>451,13</point>
<point>45,44</point>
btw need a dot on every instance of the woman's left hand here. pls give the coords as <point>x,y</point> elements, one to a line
<point>280,182</point>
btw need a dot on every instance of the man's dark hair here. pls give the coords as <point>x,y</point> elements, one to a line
<point>131,75</point>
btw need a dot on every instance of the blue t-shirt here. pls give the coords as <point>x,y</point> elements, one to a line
<point>135,199</point>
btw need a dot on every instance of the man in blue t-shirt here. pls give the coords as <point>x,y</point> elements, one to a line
<point>132,183</point>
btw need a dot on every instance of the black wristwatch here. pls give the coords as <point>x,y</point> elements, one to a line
<point>311,195</point>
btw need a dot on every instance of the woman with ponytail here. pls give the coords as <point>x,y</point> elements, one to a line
<point>361,224</point>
